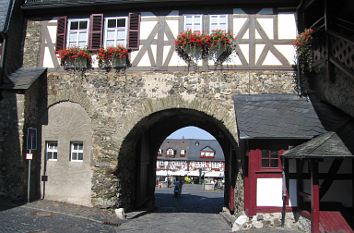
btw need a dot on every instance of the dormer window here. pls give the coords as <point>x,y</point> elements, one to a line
<point>170,152</point>
<point>183,153</point>
<point>207,152</point>
<point>159,152</point>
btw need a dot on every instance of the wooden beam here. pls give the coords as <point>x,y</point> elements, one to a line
<point>328,180</point>
<point>315,198</point>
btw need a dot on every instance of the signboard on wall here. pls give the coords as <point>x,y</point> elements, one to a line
<point>31,138</point>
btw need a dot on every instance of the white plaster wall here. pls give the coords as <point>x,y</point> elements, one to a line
<point>269,192</point>
<point>68,181</point>
<point>48,56</point>
<point>287,26</point>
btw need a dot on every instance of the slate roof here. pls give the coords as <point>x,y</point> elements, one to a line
<point>192,148</point>
<point>5,12</point>
<point>23,78</point>
<point>276,116</point>
<point>327,145</point>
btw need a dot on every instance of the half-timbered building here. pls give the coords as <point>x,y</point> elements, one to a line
<point>100,130</point>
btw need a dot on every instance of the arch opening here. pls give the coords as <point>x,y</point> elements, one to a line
<point>136,170</point>
<point>190,173</point>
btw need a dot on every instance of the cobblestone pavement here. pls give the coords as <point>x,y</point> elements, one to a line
<point>53,217</point>
<point>195,211</point>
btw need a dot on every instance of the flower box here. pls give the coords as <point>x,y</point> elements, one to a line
<point>75,58</point>
<point>112,57</point>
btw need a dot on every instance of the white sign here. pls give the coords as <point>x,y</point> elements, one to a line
<point>29,156</point>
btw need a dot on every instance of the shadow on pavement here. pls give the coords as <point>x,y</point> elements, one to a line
<point>192,200</point>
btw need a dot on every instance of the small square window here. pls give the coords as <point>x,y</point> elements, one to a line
<point>77,151</point>
<point>52,150</point>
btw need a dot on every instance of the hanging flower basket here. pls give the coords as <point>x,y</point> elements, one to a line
<point>112,57</point>
<point>75,58</point>
<point>221,46</point>
<point>191,46</point>
<point>303,47</point>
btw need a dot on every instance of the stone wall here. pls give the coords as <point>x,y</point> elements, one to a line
<point>18,111</point>
<point>32,44</point>
<point>338,93</point>
<point>116,102</point>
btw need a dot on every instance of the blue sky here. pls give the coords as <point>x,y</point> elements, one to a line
<point>190,132</point>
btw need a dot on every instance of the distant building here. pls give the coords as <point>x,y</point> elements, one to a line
<point>190,157</point>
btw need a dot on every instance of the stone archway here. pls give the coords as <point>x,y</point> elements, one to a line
<point>137,157</point>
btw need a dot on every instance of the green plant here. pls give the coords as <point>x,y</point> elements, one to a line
<point>303,46</point>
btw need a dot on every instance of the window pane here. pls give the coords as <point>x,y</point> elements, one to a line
<point>222,19</point>
<point>72,37</point>
<point>214,19</point>
<point>110,35</point>
<point>82,36</point>
<point>265,154</point>
<point>74,25</point>
<point>189,20</point>
<point>109,43</point>
<point>274,163</point>
<point>111,23</point>
<point>83,25</point>
<point>121,35</point>
<point>82,44</point>
<point>49,155</point>
<point>55,155</point>
<point>265,163</point>
<point>81,156</point>
<point>120,22</point>
<point>81,146</point>
<point>274,154</point>
<point>74,156</point>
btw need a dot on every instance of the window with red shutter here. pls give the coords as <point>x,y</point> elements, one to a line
<point>61,33</point>
<point>96,27</point>
<point>134,26</point>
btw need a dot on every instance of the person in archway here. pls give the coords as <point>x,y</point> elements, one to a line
<point>178,187</point>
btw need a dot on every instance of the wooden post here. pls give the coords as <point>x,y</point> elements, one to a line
<point>315,198</point>
<point>299,181</point>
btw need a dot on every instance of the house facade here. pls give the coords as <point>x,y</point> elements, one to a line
<point>99,131</point>
<point>190,157</point>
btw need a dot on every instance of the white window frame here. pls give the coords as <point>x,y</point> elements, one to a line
<point>193,22</point>
<point>78,32</point>
<point>168,152</point>
<point>115,34</point>
<point>51,150</point>
<point>72,150</point>
<point>218,22</point>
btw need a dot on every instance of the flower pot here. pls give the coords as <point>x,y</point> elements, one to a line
<point>119,62</point>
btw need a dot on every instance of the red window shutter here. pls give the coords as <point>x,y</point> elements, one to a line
<point>134,26</point>
<point>61,33</point>
<point>95,37</point>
